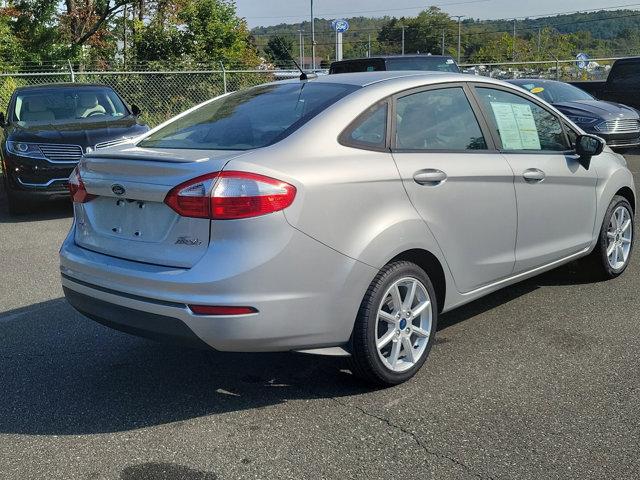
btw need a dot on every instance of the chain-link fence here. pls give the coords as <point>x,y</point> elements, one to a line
<point>163,94</point>
<point>565,70</point>
<point>160,95</point>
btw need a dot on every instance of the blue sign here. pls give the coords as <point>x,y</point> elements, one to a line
<point>582,60</point>
<point>340,25</point>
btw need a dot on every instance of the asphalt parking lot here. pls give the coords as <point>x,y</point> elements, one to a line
<point>540,380</point>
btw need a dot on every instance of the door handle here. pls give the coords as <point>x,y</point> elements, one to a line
<point>429,176</point>
<point>533,175</point>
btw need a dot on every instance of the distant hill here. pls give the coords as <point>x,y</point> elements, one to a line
<point>602,33</point>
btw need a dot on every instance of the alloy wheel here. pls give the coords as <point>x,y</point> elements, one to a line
<point>619,237</point>
<point>403,324</point>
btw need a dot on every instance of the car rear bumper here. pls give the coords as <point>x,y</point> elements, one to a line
<point>130,320</point>
<point>306,296</point>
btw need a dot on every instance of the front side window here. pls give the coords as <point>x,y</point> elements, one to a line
<point>522,124</point>
<point>251,118</point>
<point>370,129</point>
<point>437,120</point>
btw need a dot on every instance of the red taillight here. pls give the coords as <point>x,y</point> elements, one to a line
<point>221,310</point>
<point>230,195</point>
<point>77,189</point>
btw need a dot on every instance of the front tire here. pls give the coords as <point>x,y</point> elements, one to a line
<point>395,326</point>
<point>615,243</point>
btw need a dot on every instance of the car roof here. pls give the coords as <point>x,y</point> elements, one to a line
<point>62,85</point>
<point>376,57</point>
<point>363,79</point>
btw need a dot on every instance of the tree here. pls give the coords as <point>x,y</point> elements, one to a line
<point>85,20</point>
<point>422,33</point>
<point>279,50</point>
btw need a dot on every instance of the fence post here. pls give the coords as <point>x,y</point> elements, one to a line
<point>73,75</point>
<point>224,77</point>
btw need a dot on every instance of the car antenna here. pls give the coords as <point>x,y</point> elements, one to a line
<point>303,75</point>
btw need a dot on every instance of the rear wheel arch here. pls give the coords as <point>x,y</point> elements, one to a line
<point>432,266</point>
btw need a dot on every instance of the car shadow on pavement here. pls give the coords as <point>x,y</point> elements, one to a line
<point>42,210</point>
<point>51,210</point>
<point>63,374</point>
<point>164,471</point>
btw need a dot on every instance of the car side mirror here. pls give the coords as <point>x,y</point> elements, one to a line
<point>3,121</point>
<point>135,110</point>
<point>588,146</point>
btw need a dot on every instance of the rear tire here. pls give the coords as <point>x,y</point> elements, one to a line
<point>396,324</point>
<point>613,251</point>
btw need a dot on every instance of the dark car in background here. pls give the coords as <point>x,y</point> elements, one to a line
<point>427,63</point>
<point>48,128</point>
<point>618,124</point>
<point>622,84</point>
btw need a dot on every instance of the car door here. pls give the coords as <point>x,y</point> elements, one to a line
<point>459,184</point>
<point>556,196</point>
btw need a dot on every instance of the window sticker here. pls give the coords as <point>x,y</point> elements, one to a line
<point>516,125</point>
<point>537,90</point>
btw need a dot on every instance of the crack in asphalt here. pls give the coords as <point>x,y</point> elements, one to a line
<point>415,439</point>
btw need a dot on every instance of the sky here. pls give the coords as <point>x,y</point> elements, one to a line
<point>273,12</point>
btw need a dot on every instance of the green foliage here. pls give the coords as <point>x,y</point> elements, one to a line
<point>279,49</point>
<point>423,34</point>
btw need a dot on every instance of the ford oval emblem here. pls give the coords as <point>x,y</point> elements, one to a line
<point>117,189</point>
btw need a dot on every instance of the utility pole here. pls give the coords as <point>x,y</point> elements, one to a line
<point>514,39</point>
<point>313,40</point>
<point>124,36</point>
<point>403,27</point>
<point>369,47</point>
<point>301,50</point>
<point>443,41</point>
<point>459,17</point>
<point>539,39</point>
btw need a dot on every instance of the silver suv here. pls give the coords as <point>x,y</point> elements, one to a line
<point>340,215</point>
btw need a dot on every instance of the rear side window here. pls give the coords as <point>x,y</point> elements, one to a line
<point>437,120</point>
<point>248,119</point>
<point>370,129</point>
<point>522,124</point>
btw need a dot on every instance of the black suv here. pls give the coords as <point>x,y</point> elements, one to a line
<point>430,63</point>
<point>47,130</point>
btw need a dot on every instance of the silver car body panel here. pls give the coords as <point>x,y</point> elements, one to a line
<point>307,268</point>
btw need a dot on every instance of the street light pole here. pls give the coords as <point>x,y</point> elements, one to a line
<point>443,41</point>
<point>459,17</point>
<point>313,40</point>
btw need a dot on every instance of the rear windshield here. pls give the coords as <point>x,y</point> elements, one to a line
<point>65,104</point>
<point>250,118</point>
<point>426,63</point>
<point>368,65</point>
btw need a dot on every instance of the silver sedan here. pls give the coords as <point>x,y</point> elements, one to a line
<point>340,215</point>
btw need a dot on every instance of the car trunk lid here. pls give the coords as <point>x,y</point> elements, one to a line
<point>127,218</point>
